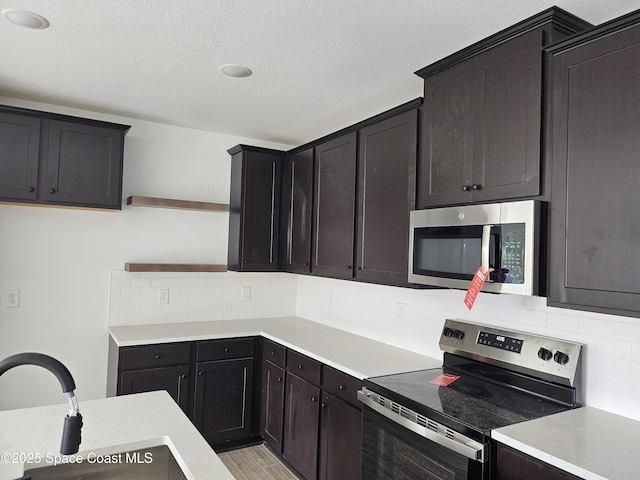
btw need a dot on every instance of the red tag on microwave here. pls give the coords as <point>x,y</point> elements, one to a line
<point>474,288</point>
<point>444,380</point>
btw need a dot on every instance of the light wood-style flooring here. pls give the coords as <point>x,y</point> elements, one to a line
<point>256,463</point>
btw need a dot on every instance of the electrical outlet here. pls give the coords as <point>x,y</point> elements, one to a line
<point>246,294</point>
<point>163,296</point>
<point>12,299</point>
<point>399,312</point>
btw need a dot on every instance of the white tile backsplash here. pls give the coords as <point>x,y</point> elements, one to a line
<point>611,357</point>
<point>195,297</point>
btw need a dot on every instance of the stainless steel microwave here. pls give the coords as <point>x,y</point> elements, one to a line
<point>447,245</point>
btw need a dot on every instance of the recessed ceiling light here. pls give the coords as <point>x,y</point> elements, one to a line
<point>235,70</point>
<point>25,18</point>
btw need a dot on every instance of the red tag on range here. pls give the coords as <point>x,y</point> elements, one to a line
<point>476,285</point>
<point>444,380</point>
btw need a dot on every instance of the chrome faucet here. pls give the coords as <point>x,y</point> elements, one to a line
<point>71,437</point>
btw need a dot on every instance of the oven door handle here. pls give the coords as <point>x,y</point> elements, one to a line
<point>470,448</point>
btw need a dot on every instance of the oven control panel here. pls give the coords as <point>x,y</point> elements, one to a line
<point>503,342</point>
<point>554,359</point>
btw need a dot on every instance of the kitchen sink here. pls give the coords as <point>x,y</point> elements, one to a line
<point>153,463</point>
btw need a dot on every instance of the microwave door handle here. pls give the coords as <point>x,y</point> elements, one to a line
<point>486,243</point>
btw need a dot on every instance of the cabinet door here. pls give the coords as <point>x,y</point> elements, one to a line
<point>481,124</point>
<point>84,165</point>
<point>515,465</point>
<point>19,156</point>
<point>298,195</point>
<point>254,210</point>
<point>386,194</point>
<point>334,208</point>
<point>175,380</point>
<point>506,160</point>
<point>301,424</point>
<point>595,224</point>
<point>223,404</point>
<point>446,159</point>
<point>340,439</point>
<point>272,408</point>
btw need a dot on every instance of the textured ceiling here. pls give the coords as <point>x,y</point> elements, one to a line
<point>318,65</point>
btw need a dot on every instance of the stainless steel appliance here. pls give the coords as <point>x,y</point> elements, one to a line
<point>437,423</point>
<point>447,245</point>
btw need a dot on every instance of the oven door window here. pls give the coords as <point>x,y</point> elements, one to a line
<point>449,252</point>
<point>390,451</point>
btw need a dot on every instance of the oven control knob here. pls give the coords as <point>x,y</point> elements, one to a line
<point>544,354</point>
<point>447,332</point>
<point>459,334</point>
<point>561,358</point>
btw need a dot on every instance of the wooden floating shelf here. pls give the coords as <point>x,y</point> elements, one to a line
<point>174,267</point>
<point>139,201</point>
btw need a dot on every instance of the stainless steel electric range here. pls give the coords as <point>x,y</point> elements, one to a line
<point>437,423</point>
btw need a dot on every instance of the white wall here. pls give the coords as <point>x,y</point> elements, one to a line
<point>61,259</point>
<point>611,356</point>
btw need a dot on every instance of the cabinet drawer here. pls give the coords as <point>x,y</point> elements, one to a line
<point>341,385</point>
<point>304,367</point>
<point>224,348</point>
<point>158,355</point>
<point>274,353</point>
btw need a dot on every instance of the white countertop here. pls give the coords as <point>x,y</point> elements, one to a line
<point>128,422</point>
<point>355,355</point>
<point>587,442</point>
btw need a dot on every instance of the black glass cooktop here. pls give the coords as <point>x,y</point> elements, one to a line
<point>454,395</point>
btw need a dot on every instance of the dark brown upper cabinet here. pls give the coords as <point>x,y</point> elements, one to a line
<point>60,160</point>
<point>351,194</point>
<point>482,117</point>
<point>387,155</point>
<point>595,226</point>
<point>254,208</point>
<point>19,156</point>
<point>297,208</point>
<point>334,207</point>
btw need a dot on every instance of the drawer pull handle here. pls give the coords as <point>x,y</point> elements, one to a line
<point>341,387</point>
<point>226,349</point>
<point>200,373</point>
<point>31,189</point>
<point>314,399</point>
<point>279,379</point>
<point>183,376</point>
<point>300,367</point>
<point>157,356</point>
<point>323,405</point>
<point>272,353</point>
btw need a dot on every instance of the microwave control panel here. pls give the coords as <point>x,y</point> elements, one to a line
<point>512,252</point>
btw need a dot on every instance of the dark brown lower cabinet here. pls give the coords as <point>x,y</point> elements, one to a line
<point>272,405</point>
<point>515,465</point>
<point>340,439</point>
<point>175,380</point>
<point>302,415</point>
<point>212,381</point>
<point>223,406</point>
